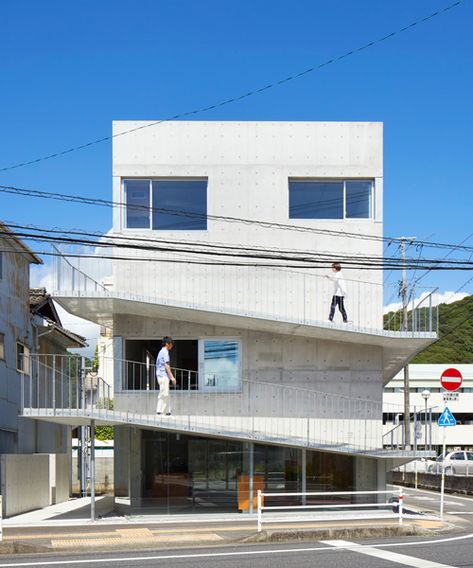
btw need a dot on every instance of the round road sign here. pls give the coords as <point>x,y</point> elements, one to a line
<point>451,379</point>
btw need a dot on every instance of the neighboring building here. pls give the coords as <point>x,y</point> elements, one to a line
<point>17,435</point>
<point>29,324</point>
<point>270,394</point>
<point>427,378</point>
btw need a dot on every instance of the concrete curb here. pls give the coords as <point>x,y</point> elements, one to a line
<point>334,534</point>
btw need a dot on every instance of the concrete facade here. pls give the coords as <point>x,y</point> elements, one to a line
<point>33,481</point>
<point>277,314</point>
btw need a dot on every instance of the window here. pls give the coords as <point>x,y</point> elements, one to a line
<point>2,347</point>
<point>457,456</point>
<point>22,359</point>
<point>220,364</point>
<point>137,204</point>
<point>311,199</point>
<point>166,204</point>
<point>469,456</point>
<point>1,265</point>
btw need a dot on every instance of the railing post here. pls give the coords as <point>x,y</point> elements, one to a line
<point>53,377</point>
<point>92,470</point>
<point>430,312</point>
<point>401,503</point>
<point>260,520</point>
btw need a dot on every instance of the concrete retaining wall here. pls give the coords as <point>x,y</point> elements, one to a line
<point>25,482</point>
<point>453,483</point>
<point>33,481</point>
<point>103,475</point>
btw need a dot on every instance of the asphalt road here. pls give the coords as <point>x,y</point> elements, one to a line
<point>459,506</point>
<point>453,551</point>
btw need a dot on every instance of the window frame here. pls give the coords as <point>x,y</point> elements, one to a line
<point>344,181</point>
<point>150,180</point>
<point>201,365</point>
<point>26,357</point>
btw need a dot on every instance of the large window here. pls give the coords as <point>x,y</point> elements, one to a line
<point>212,364</point>
<point>166,204</point>
<point>314,199</point>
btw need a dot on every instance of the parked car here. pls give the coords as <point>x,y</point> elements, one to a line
<point>455,463</point>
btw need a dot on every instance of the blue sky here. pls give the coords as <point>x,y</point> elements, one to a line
<point>69,68</point>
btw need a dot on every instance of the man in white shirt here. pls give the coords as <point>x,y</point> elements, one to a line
<point>339,292</point>
<point>164,375</point>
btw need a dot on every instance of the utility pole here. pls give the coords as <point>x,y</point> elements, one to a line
<point>404,326</point>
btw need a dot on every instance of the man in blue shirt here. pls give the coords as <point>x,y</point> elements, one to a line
<point>164,375</point>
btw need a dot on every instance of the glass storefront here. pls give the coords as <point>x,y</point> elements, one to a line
<point>183,473</point>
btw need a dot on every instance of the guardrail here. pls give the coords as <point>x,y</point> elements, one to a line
<point>261,507</point>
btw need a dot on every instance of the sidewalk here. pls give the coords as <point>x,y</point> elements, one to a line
<point>67,527</point>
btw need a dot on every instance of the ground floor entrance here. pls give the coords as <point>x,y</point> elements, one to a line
<point>176,473</point>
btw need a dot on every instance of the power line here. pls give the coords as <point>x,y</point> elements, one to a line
<point>130,242</point>
<point>307,265</point>
<point>265,224</point>
<point>242,96</point>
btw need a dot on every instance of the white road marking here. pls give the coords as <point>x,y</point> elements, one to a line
<point>460,513</point>
<point>433,493</point>
<point>236,553</point>
<point>385,554</point>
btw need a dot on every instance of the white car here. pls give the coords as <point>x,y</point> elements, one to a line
<point>455,463</point>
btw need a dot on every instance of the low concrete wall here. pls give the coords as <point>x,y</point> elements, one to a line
<point>25,482</point>
<point>33,481</point>
<point>453,483</point>
<point>63,478</point>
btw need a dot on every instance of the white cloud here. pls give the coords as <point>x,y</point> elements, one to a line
<point>447,297</point>
<point>42,277</point>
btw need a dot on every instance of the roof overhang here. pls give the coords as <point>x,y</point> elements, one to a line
<point>18,245</point>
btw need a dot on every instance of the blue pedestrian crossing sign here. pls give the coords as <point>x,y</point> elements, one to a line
<point>447,418</point>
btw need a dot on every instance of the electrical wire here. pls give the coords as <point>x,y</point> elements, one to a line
<point>239,97</point>
<point>322,259</point>
<point>259,223</point>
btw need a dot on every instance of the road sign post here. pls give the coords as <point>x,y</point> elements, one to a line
<point>451,380</point>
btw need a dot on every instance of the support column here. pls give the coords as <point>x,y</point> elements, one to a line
<point>304,476</point>
<point>251,473</point>
<point>92,470</point>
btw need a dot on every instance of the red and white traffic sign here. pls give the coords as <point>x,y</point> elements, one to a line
<point>451,379</point>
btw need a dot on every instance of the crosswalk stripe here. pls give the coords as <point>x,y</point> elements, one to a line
<point>385,554</point>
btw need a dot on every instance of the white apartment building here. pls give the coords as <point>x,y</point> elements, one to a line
<point>270,393</point>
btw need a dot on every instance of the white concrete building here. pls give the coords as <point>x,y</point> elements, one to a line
<point>221,216</point>
<point>427,378</point>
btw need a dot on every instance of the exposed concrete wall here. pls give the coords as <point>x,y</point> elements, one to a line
<point>62,478</point>
<point>248,165</point>
<point>25,483</point>
<point>103,475</point>
<point>32,481</point>
<point>326,366</point>
<point>121,464</point>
